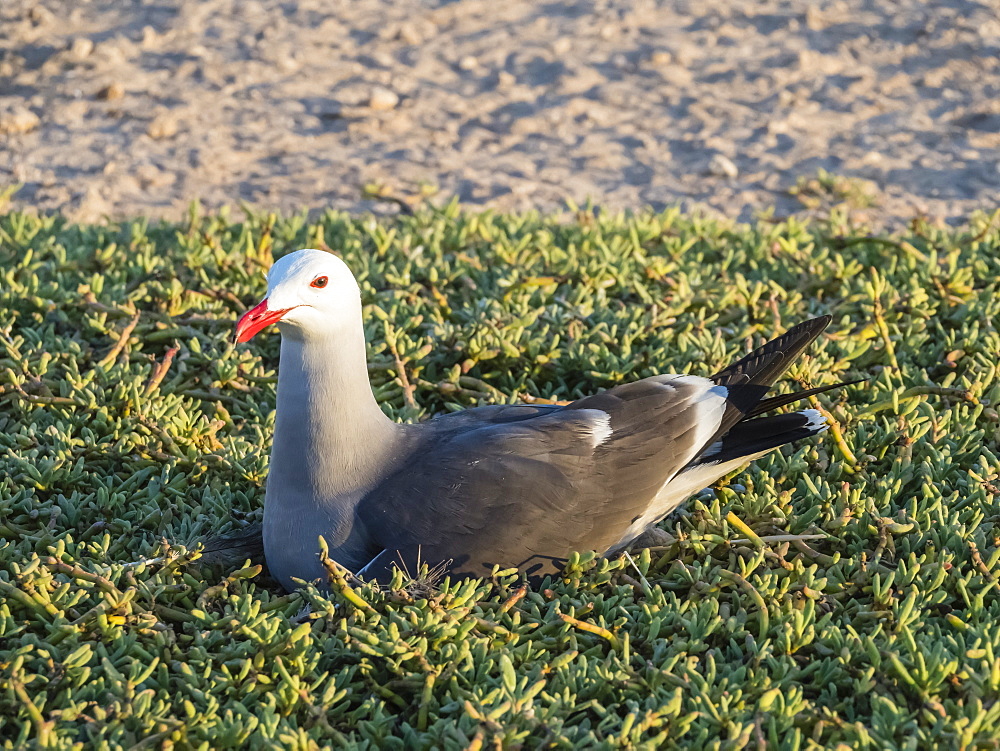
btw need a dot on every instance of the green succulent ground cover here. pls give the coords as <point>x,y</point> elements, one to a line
<point>843,592</point>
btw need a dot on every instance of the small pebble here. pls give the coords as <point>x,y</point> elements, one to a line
<point>562,46</point>
<point>18,120</point>
<point>722,166</point>
<point>40,15</point>
<point>111,91</point>
<point>409,33</point>
<point>163,126</point>
<point>505,80</point>
<point>80,48</point>
<point>383,99</point>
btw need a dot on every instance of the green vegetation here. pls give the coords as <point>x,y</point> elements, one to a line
<point>844,592</point>
<point>828,191</point>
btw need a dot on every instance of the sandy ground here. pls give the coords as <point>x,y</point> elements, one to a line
<point>117,107</point>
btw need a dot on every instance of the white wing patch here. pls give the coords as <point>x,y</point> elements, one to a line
<point>710,403</point>
<point>600,429</point>
<point>711,407</point>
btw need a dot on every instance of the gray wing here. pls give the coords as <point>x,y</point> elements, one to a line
<point>527,489</point>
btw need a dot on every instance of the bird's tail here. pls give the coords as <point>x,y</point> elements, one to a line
<point>752,437</point>
<point>742,433</point>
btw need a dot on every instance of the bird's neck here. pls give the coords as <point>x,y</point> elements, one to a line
<point>330,438</point>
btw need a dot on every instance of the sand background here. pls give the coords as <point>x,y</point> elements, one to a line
<point>116,108</point>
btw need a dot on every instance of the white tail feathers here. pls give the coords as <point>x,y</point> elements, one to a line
<point>816,420</point>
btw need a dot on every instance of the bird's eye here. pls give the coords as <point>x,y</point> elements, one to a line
<point>319,281</point>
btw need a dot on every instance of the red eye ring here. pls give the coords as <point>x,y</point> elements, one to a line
<point>319,282</point>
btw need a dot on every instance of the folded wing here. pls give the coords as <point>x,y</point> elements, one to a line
<point>529,492</point>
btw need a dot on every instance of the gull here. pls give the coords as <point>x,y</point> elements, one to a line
<point>522,485</point>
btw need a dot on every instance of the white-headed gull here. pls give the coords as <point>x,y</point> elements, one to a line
<point>516,485</point>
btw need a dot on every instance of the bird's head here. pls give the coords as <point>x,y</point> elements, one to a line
<point>308,292</point>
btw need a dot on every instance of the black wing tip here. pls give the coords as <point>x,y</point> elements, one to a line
<point>823,321</point>
<point>766,363</point>
<point>774,402</point>
<point>812,328</point>
<point>749,378</point>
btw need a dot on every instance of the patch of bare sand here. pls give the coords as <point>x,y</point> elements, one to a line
<point>117,108</point>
